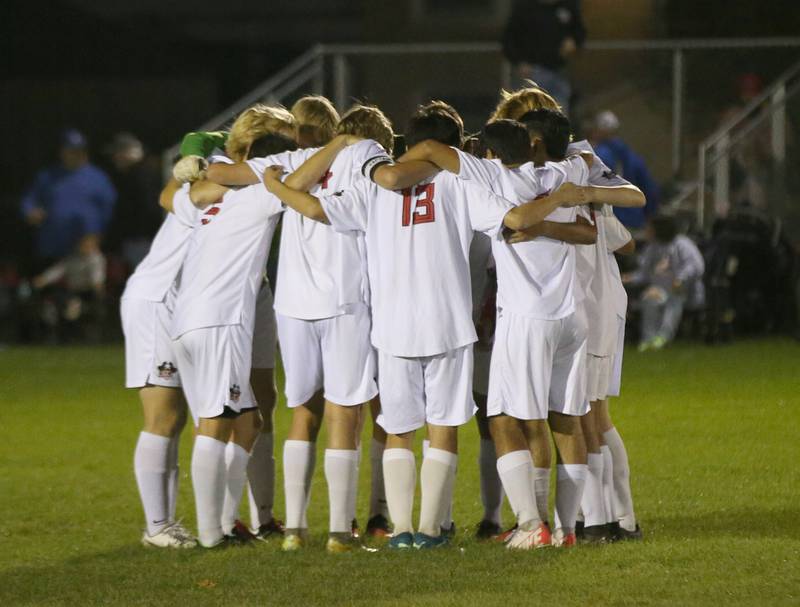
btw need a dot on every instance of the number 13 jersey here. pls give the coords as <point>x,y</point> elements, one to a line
<point>417,244</point>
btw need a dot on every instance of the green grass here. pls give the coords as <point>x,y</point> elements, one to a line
<point>713,437</point>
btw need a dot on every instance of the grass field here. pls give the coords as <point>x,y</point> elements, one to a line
<point>713,437</point>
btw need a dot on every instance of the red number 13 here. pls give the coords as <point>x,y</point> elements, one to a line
<point>423,211</point>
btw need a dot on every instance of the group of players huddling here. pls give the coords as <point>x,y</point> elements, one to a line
<point>384,283</point>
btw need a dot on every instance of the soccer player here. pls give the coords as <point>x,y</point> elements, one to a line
<point>417,242</point>
<point>323,325</point>
<point>150,366</point>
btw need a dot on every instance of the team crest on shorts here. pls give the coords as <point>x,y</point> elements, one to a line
<point>166,370</point>
<point>236,392</point>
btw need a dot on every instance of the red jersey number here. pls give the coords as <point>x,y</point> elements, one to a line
<point>423,210</point>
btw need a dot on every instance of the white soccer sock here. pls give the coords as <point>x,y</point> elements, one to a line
<point>437,478</point>
<point>150,464</point>
<point>608,484</point>
<point>340,468</point>
<point>541,486</point>
<point>377,497</point>
<point>261,480</point>
<point>593,502</point>
<point>208,480</point>
<point>352,493</point>
<point>236,459</point>
<point>570,479</point>
<point>299,457</point>
<point>173,476</point>
<point>516,472</point>
<point>491,485</point>
<point>623,500</point>
<point>400,477</point>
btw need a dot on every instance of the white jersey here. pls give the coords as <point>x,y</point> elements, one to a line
<point>537,278</point>
<point>480,260</point>
<point>223,270</point>
<point>156,273</point>
<point>418,243</point>
<point>322,273</point>
<point>598,272</point>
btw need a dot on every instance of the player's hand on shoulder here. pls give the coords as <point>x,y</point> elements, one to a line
<point>517,236</point>
<point>189,169</point>
<point>572,195</point>
<point>272,176</point>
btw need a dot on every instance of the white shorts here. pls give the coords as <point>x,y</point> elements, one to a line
<point>265,331</point>
<point>334,354</point>
<point>429,389</point>
<point>538,366</point>
<point>598,375</point>
<point>215,365</point>
<point>480,375</point>
<point>149,357</point>
<point>615,380</point>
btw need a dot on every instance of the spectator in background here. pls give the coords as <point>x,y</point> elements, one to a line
<point>539,39</point>
<point>67,201</point>
<point>78,282</point>
<point>621,159</point>
<point>138,182</point>
<point>671,269</point>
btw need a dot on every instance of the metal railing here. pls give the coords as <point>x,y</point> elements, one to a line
<point>308,73</point>
<point>714,153</point>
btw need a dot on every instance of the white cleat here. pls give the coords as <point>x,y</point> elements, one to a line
<point>529,538</point>
<point>174,535</point>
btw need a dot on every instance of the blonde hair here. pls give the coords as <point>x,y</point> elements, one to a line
<point>514,104</point>
<point>255,122</point>
<point>369,122</point>
<point>317,117</point>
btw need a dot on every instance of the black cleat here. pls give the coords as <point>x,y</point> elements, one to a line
<point>623,535</point>
<point>487,530</point>
<point>355,532</point>
<point>242,534</point>
<point>449,532</point>
<point>379,526</point>
<point>579,530</point>
<point>595,534</point>
<point>272,528</point>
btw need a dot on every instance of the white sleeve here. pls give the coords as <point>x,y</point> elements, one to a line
<point>258,195</point>
<point>478,170</point>
<point>486,209</point>
<point>290,161</point>
<point>599,174</point>
<point>347,209</point>
<point>617,235</point>
<point>183,208</point>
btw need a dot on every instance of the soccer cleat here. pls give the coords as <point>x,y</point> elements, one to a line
<point>269,529</point>
<point>503,537</point>
<point>292,542</point>
<point>402,541</point>
<point>241,532</point>
<point>378,526</point>
<point>450,531</point>
<point>340,545</point>
<point>355,532</point>
<point>564,540</point>
<point>171,536</point>
<point>487,530</point>
<point>579,529</point>
<point>423,541</point>
<point>528,539</point>
<point>595,534</point>
<point>623,535</point>
<point>658,342</point>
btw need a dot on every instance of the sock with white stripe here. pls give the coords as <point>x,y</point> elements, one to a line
<point>151,468</point>
<point>261,480</point>
<point>491,485</point>
<point>208,480</point>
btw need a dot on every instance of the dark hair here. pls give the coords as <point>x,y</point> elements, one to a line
<point>665,228</point>
<point>269,144</point>
<point>552,126</point>
<point>508,140</point>
<point>438,121</point>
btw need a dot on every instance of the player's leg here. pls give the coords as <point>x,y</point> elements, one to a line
<point>244,434</point>
<point>302,363</point>
<point>652,312</point>
<point>593,500</point>
<point>448,405</point>
<point>567,403</point>
<point>349,369</point>
<point>402,412</point>
<point>261,468</point>
<point>378,524</point>
<point>491,486</point>
<point>209,476</point>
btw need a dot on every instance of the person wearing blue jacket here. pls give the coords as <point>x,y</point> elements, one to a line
<point>68,201</point>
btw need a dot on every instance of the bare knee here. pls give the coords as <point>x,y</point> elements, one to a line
<point>443,437</point>
<point>400,441</point>
<point>343,424</point>
<point>307,419</point>
<point>246,428</point>
<point>164,410</point>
